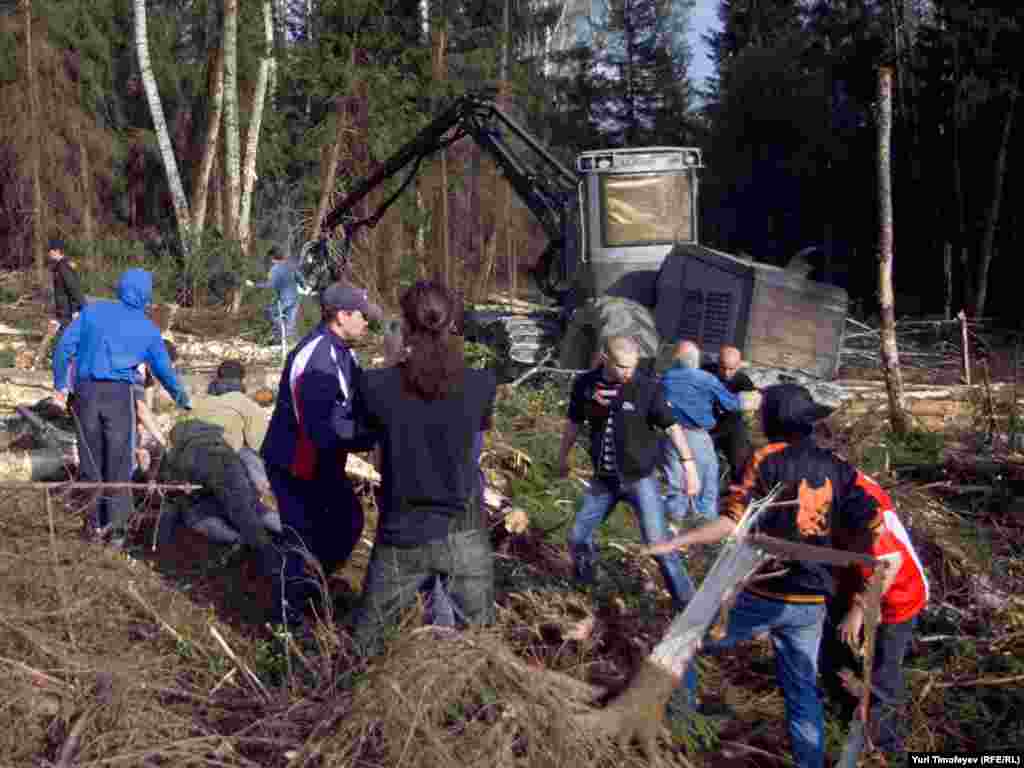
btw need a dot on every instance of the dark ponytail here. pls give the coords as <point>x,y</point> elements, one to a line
<point>436,363</point>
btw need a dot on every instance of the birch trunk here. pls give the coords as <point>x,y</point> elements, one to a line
<point>201,188</point>
<point>889,351</point>
<point>35,150</point>
<point>231,135</point>
<point>255,122</point>
<point>163,138</point>
<point>992,217</point>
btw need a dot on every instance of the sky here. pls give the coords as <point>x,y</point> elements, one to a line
<point>705,14</point>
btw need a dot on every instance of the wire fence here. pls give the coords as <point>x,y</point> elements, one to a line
<point>937,346</point>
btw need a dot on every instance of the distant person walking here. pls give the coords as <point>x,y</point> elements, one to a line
<point>68,298</point>
<point>284,309</point>
<point>108,340</point>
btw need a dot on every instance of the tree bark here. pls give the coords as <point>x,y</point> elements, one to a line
<point>163,138</point>
<point>442,240</point>
<point>889,351</point>
<point>231,131</point>
<point>201,188</point>
<point>35,149</point>
<point>992,217</point>
<point>329,172</point>
<point>958,182</point>
<point>255,122</point>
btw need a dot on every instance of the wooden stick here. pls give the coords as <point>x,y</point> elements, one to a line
<point>57,572</point>
<point>257,683</point>
<point>26,484</point>
<point>981,681</point>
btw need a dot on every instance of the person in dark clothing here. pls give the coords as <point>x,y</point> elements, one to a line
<point>835,504</point>
<point>108,341</point>
<point>730,434</point>
<point>312,430</point>
<point>626,410</point>
<point>428,411</point>
<point>68,298</point>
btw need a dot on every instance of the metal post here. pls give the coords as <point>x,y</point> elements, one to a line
<point>966,355</point>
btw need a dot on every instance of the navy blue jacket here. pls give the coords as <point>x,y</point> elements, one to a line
<point>313,428</point>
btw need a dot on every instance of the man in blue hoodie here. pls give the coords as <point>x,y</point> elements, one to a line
<point>108,340</point>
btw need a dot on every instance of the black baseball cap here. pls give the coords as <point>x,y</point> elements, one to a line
<point>55,244</point>
<point>341,295</point>
<point>789,409</point>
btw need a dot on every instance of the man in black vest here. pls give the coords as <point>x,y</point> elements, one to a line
<point>627,411</point>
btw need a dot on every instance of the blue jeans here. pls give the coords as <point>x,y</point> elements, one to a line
<point>644,497</point>
<point>795,630</point>
<point>891,643</point>
<point>284,317</point>
<point>706,461</point>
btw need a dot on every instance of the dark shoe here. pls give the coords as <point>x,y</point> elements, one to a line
<point>585,573</point>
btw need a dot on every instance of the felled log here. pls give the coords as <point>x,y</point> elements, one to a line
<point>42,464</point>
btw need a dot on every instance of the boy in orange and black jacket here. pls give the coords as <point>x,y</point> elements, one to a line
<point>833,498</point>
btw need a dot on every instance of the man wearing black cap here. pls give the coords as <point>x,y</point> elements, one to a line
<point>67,288</point>
<point>311,432</point>
<point>835,503</point>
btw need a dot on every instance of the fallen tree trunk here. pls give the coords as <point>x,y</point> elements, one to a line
<point>43,464</point>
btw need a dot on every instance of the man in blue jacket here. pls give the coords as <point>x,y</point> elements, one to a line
<point>693,395</point>
<point>311,433</point>
<point>284,310</point>
<point>109,340</point>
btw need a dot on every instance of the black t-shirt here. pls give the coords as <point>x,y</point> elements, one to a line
<point>740,382</point>
<point>429,469</point>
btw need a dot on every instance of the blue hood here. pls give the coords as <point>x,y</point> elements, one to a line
<point>135,288</point>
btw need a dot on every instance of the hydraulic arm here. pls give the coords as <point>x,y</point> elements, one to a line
<point>543,184</point>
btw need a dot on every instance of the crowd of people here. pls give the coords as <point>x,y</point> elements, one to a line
<point>425,415</point>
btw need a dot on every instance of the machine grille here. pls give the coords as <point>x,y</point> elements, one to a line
<point>717,316</point>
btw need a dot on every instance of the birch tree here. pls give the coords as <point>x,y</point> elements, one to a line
<point>231,133</point>
<point>255,121</point>
<point>201,188</point>
<point>163,138</point>
<point>889,351</point>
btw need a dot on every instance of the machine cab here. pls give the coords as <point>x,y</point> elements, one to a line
<point>635,205</point>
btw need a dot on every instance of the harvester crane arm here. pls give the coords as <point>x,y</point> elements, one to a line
<point>543,184</point>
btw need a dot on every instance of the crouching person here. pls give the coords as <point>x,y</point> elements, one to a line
<point>428,411</point>
<point>904,595</point>
<point>205,448</point>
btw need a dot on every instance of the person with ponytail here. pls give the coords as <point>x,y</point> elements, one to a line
<point>427,411</point>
